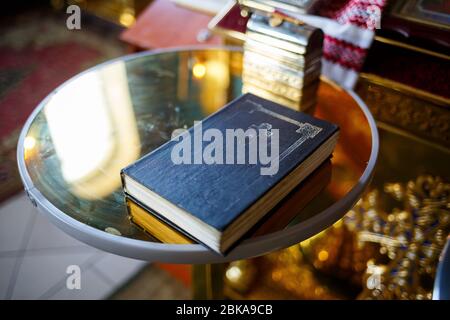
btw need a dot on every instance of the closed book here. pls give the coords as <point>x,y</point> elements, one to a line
<point>201,183</point>
<point>155,225</point>
<point>292,205</point>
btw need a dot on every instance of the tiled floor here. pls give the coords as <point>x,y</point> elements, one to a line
<point>163,286</point>
<point>34,256</point>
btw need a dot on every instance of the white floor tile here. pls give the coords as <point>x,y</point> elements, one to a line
<point>49,251</point>
<point>119,269</point>
<point>6,270</point>
<point>38,274</point>
<point>46,235</point>
<point>92,287</point>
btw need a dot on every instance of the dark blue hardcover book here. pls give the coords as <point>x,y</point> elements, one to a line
<point>216,180</point>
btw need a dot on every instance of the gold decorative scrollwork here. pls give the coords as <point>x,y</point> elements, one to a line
<point>423,114</point>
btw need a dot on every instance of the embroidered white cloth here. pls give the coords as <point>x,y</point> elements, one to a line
<point>349,31</point>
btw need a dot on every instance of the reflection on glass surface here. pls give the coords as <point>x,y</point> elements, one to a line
<point>110,116</point>
<point>214,86</point>
<point>92,125</point>
<point>29,143</point>
<point>199,70</point>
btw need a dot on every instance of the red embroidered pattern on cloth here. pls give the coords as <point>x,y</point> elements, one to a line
<point>344,53</point>
<point>358,12</point>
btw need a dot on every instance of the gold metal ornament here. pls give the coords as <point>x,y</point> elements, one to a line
<point>282,59</point>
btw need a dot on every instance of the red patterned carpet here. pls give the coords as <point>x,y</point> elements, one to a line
<point>38,53</point>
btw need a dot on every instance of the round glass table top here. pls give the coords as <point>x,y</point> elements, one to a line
<point>75,143</point>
